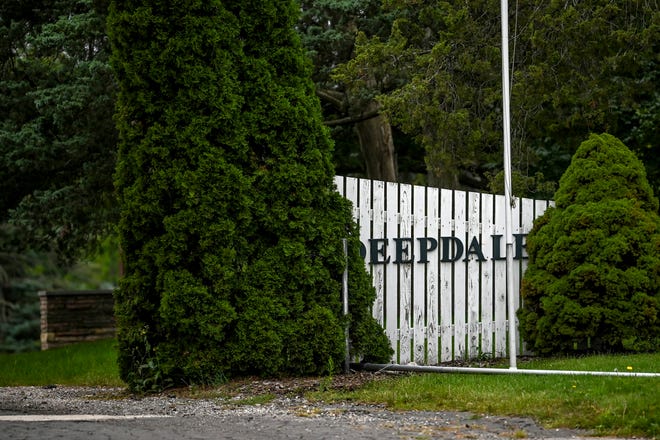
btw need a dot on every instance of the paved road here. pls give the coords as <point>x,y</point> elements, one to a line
<point>270,427</point>
<point>38,414</point>
<point>177,428</point>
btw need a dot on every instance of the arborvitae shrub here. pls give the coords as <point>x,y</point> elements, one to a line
<point>230,225</point>
<point>593,280</point>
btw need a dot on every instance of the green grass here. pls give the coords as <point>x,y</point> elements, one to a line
<point>84,364</point>
<point>619,406</point>
<point>649,363</point>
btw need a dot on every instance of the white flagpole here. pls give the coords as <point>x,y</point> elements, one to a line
<point>506,115</point>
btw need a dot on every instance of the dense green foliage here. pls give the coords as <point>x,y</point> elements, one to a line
<point>437,68</point>
<point>442,57</point>
<point>577,68</point>
<point>57,137</point>
<point>230,225</point>
<point>593,280</point>
<point>589,66</point>
<point>328,29</point>
<point>19,305</point>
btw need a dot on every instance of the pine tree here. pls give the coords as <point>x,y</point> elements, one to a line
<point>57,137</point>
<point>593,280</point>
<point>230,225</point>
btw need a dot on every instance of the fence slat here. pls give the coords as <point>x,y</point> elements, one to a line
<point>472,256</point>
<point>500,278</point>
<point>419,290</point>
<point>432,275</point>
<point>378,231</point>
<point>487,292</point>
<point>459,267</point>
<point>366,231</point>
<point>517,262</point>
<point>351,193</point>
<point>405,274</point>
<point>391,274</point>
<point>339,183</point>
<point>446,278</point>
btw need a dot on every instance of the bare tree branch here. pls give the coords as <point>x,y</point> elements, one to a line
<point>352,119</point>
<point>337,99</point>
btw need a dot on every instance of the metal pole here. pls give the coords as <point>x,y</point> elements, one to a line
<point>474,370</point>
<point>506,115</point>
<point>347,357</point>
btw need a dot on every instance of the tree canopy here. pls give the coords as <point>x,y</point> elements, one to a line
<point>588,67</point>
<point>578,67</point>
<point>57,137</point>
<point>329,30</point>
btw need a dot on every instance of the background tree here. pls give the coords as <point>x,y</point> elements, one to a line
<point>328,30</point>
<point>577,67</point>
<point>438,75</point>
<point>23,273</point>
<point>593,280</point>
<point>586,67</point>
<point>57,137</point>
<point>19,309</point>
<point>230,224</point>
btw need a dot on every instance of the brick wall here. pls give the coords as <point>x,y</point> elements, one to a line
<point>75,316</point>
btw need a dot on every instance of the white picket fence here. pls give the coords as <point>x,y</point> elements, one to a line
<point>437,258</point>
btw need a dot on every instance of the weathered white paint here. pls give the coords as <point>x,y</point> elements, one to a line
<point>432,277</point>
<point>499,285</point>
<point>446,280</point>
<point>435,311</point>
<point>419,292</point>
<point>487,288</point>
<point>391,273</point>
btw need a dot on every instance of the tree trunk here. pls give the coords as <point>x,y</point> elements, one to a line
<point>377,146</point>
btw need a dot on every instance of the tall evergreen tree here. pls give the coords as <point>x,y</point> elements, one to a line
<point>230,225</point>
<point>588,66</point>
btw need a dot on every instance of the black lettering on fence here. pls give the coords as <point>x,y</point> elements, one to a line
<point>453,249</point>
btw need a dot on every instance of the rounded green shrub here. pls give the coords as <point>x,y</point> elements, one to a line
<point>593,280</point>
<point>231,228</point>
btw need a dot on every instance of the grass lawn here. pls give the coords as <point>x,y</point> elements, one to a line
<point>619,406</point>
<point>84,364</point>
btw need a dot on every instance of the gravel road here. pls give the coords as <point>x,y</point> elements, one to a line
<point>110,413</point>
